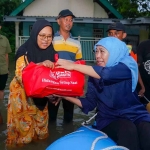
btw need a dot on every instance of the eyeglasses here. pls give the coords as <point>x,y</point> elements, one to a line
<point>44,37</point>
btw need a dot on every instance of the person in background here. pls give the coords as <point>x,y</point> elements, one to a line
<point>143,53</point>
<point>70,49</point>
<point>4,65</point>
<point>112,90</point>
<point>118,30</point>
<point>27,118</point>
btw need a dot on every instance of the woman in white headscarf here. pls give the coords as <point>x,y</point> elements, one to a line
<point>111,89</point>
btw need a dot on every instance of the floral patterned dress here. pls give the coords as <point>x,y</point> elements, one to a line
<point>25,122</point>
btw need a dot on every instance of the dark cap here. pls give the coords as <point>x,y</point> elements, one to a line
<point>64,13</point>
<point>116,26</point>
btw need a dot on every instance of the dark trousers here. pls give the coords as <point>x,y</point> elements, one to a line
<point>68,111</point>
<point>3,80</point>
<point>126,133</point>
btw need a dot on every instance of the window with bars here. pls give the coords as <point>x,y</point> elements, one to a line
<point>98,33</point>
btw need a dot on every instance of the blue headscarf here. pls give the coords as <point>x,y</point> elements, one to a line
<point>118,52</point>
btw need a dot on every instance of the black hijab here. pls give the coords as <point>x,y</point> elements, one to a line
<point>34,53</point>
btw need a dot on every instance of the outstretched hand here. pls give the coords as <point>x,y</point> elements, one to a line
<point>141,92</point>
<point>47,63</point>
<point>54,99</point>
<point>66,64</point>
<point>57,101</point>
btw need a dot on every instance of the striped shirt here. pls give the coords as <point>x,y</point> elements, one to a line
<point>69,49</point>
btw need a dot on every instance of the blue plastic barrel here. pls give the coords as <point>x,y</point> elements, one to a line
<point>85,138</point>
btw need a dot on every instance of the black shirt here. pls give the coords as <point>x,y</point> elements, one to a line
<point>143,54</point>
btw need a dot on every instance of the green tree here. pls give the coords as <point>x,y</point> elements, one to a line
<point>8,28</point>
<point>132,8</point>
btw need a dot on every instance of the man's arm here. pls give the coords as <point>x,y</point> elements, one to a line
<point>142,90</point>
<point>8,50</point>
<point>139,61</point>
<point>7,60</point>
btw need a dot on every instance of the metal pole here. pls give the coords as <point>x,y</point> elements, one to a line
<point>17,35</point>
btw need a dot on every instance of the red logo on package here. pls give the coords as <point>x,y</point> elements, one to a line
<point>60,74</point>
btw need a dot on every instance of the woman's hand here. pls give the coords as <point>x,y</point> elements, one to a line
<point>58,98</point>
<point>57,101</point>
<point>85,69</point>
<point>141,92</point>
<point>71,99</point>
<point>47,63</point>
<point>66,64</point>
<point>54,99</point>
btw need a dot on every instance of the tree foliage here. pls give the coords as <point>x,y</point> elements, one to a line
<point>8,28</point>
<point>132,8</point>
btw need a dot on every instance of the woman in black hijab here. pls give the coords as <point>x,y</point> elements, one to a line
<point>28,118</point>
<point>31,47</point>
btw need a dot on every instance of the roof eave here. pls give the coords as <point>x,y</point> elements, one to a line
<point>76,20</point>
<point>21,7</point>
<point>111,8</point>
<point>103,2</point>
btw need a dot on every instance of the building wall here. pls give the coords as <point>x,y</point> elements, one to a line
<point>81,8</point>
<point>84,29</point>
<point>135,34</point>
<point>99,12</point>
<point>78,29</point>
<point>27,26</point>
<point>144,33</point>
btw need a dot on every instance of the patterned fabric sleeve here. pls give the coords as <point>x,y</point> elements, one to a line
<point>25,122</point>
<point>20,64</point>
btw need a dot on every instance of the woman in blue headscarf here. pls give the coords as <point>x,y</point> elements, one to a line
<point>111,89</point>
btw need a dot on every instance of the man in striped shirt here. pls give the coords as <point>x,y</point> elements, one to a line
<point>70,49</point>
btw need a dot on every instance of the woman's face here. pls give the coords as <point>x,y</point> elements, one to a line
<point>44,38</point>
<point>101,55</point>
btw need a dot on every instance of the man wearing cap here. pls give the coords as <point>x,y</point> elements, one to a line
<point>4,50</point>
<point>118,30</point>
<point>70,49</point>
